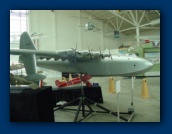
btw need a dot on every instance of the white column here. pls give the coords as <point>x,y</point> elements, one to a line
<point>79,43</point>
<point>138,34</point>
<point>102,38</point>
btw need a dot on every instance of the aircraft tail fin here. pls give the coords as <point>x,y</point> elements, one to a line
<point>29,60</point>
<point>26,42</point>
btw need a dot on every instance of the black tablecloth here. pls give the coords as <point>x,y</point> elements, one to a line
<point>28,105</point>
<point>68,94</point>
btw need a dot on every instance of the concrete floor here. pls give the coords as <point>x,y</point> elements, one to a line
<point>146,109</point>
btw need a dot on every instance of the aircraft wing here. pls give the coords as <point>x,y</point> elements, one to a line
<point>70,54</point>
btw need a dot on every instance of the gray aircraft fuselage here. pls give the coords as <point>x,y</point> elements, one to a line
<point>117,66</point>
<point>73,61</point>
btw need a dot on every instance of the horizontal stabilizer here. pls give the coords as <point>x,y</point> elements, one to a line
<point>36,77</point>
<point>33,86</point>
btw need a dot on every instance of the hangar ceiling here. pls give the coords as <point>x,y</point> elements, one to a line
<point>126,21</point>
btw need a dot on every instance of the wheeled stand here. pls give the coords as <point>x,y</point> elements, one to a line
<point>86,102</point>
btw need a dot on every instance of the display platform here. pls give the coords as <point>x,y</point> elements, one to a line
<point>28,105</point>
<point>68,94</point>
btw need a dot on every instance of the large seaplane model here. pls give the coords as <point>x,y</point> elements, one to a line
<point>74,61</point>
<point>82,62</point>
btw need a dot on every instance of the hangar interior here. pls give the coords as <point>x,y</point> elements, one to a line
<point>113,31</point>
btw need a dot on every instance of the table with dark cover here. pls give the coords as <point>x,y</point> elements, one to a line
<point>28,105</point>
<point>68,94</point>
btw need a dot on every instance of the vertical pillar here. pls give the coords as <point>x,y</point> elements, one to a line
<point>137,35</point>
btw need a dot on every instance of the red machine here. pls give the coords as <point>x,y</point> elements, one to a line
<point>74,81</point>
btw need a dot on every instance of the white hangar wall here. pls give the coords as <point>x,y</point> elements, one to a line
<point>109,40</point>
<point>91,39</point>
<point>67,29</point>
<point>43,21</point>
<point>151,33</point>
<point>147,34</point>
<point>62,31</point>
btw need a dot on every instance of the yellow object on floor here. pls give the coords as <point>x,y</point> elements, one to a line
<point>70,76</point>
<point>112,88</point>
<point>145,91</point>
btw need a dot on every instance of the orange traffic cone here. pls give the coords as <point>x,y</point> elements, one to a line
<point>145,91</point>
<point>112,88</point>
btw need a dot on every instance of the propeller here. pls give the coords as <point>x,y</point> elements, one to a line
<point>89,54</point>
<point>110,55</point>
<point>101,54</point>
<point>76,51</point>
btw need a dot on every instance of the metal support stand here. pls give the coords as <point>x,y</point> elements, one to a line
<point>86,102</point>
<point>131,108</point>
<point>118,108</point>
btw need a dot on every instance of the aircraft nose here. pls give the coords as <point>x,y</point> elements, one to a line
<point>149,64</point>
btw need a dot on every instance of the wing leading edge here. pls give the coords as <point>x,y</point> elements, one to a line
<point>69,55</point>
